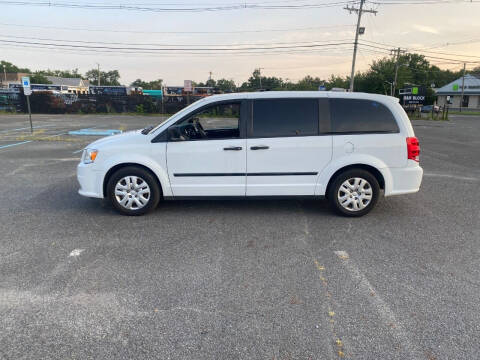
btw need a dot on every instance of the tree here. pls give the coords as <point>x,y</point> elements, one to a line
<point>259,82</point>
<point>225,85</point>
<point>151,85</point>
<point>10,68</point>
<point>107,78</point>
<point>336,81</point>
<point>39,78</point>
<point>307,83</point>
<point>211,83</point>
<point>61,73</point>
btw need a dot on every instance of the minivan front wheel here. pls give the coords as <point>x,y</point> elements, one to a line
<point>133,191</point>
<point>354,192</point>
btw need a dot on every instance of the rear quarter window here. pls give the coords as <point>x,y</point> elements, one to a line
<point>361,116</point>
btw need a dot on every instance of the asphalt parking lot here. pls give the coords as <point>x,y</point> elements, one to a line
<point>235,279</point>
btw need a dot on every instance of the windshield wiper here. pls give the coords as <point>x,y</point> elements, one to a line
<point>147,129</point>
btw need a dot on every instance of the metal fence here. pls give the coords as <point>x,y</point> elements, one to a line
<point>47,102</point>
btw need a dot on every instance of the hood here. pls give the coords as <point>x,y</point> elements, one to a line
<point>125,137</point>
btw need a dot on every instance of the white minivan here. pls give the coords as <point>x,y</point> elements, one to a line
<point>347,147</point>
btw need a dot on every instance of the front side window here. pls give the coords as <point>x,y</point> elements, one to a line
<point>219,121</point>
<point>285,117</point>
<point>361,116</point>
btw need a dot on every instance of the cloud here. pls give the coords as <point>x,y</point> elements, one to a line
<point>425,29</point>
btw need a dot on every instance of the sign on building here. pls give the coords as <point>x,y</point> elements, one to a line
<point>413,96</point>
<point>187,86</point>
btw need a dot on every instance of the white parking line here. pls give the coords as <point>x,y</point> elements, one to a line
<point>15,144</point>
<point>27,128</point>
<point>386,314</point>
<point>466,178</point>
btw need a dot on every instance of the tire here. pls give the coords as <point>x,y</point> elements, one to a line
<point>354,192</point>
<point>133,191</point>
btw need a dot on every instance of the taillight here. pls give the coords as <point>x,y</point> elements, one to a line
<point>413,149</point>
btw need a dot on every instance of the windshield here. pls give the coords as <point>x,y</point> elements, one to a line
<point>179,113</point>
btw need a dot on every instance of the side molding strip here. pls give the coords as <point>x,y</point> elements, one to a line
<point>246,174</point>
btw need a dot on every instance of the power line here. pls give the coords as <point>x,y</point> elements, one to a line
<point>172,45</point>
<point>433,57</point>
<point>174,32</point>
<point>166,49</point>
<point>323,51</point>
<point>424,2</point>
<point>227,7</point>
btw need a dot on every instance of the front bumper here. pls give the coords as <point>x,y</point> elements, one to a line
<point>90,180</point>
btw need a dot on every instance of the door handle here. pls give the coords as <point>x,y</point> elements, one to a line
<point>262,147</point>
<point>233,148</point>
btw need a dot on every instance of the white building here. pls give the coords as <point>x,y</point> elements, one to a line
<point>451,94</point>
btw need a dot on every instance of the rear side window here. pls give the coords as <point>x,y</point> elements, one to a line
<point>361,116</point>
<point>285,117</point>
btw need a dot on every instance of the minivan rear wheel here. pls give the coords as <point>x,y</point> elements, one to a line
<point>133,191</point>
<point>354,192</point>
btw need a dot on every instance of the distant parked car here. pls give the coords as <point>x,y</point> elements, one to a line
<point>347,147</point>
<point>429,108</point>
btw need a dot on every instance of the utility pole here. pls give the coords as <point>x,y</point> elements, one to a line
<point>396,53</point>
<point>359,11</point>
<point>260,76</point>
<point>463,85</point>
<point>210,75</point>
<point>391,87</point>
<point>98,67</point>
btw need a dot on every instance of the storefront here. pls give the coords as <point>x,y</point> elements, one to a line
<point>451,94</point>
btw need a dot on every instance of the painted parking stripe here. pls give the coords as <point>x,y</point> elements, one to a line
<point>29,141</point>
<point>26,128</point>
<point>384,311</point>
<point>456,177</point>
<point>15,144</point>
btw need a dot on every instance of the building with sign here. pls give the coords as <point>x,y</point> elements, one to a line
<point>451,94</point>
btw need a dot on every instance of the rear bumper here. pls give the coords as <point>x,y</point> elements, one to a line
<point>405,180</point>
<point>90,180</point>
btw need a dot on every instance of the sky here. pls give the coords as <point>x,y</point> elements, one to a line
<point>443,30</point>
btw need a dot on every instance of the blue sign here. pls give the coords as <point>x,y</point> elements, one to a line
<point>322,88</point>
<point>26,81</point>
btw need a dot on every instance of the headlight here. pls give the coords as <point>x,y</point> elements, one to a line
<point>89,156</point>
